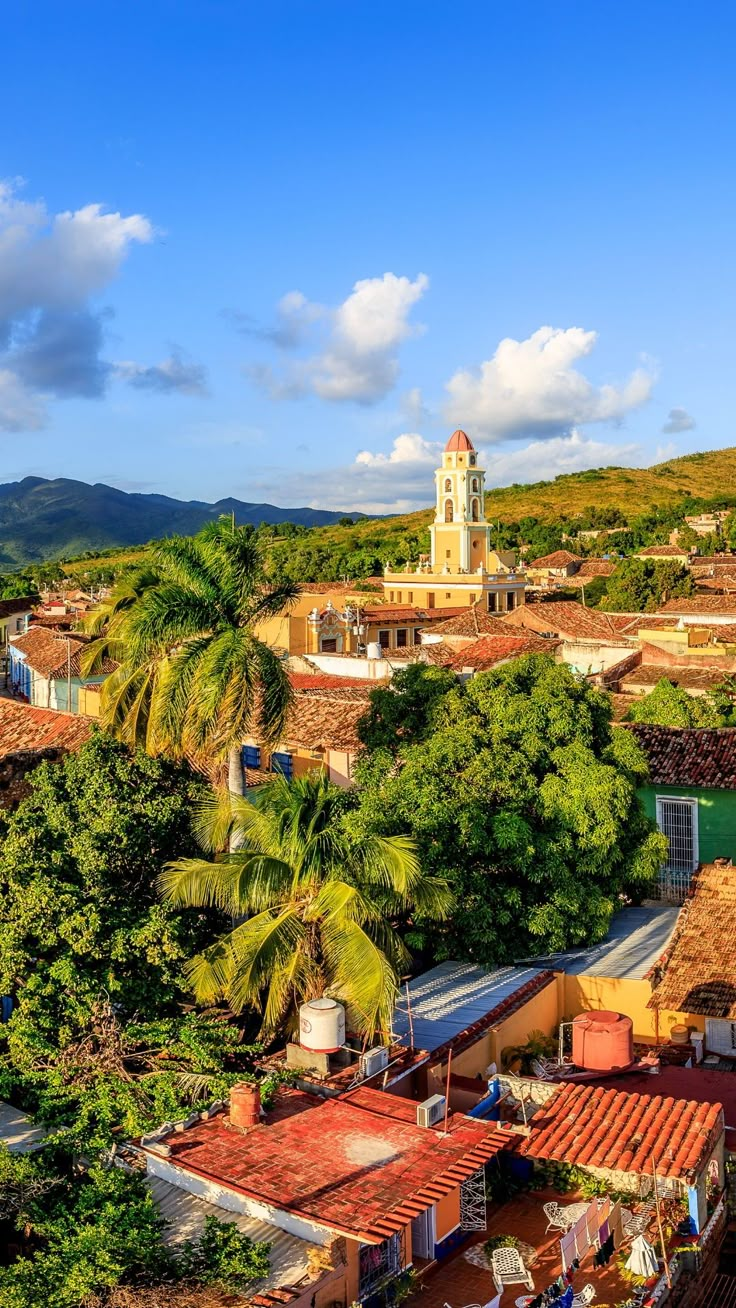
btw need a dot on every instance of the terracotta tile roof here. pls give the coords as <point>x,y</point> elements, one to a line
<point>701,604</point>
<point>649,674</point>
<point>379,613</point>
<point>325,681</point>
<point>24,605</point>
<point>25,728</point>
<point>327,719</point>
<point>587,1126</point>
<point>474,621</point>
<point>701,756</point>
<point>596,568</point>
<point>47,652</point>
<point>705,1084</point>
<point>567,618</point>
<point>355,1166</point>
<point>662,552</point>
<point>487,651</point>
<point>700,966</point>
<point>614,674</point>
<point>558,559</point>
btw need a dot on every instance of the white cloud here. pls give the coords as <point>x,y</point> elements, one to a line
<point>401,479</point>
<point>678,420</point>
<point>532,388</point>
<point>51,332</point>
<point>359,357</point>
<point>20,410</point>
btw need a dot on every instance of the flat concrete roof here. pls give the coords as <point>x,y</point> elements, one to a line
<point>451,997</point>
<point>636,939</point>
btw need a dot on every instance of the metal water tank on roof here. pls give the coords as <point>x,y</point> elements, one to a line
<point>322,1026</point>
<point>374,650</point>
<point>603,1041</point>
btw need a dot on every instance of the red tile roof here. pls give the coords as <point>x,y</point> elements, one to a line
<point>705,1084</point>
<point>571,620</point>
<point>9,607</point>
<point>474,621</point>
<point>700,756</point>
<point>324,681</point>
<point>25,728</point>
<point>558,559</point>
<point>587,1126</point>
<point>487,651</point>
<point>353,1165</point>
<point>379,613</point>
<point>325,719</point>
<point>699,969</point>
<point>596,568</point>
<point>458,441</point>
<point>662,552</point>
<point>700,604</point>
<point>47,652</point>
<point>694,678</point>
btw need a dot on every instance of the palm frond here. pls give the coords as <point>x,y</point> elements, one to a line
<point>361,975</point>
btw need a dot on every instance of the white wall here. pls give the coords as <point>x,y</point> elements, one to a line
<point>346,666</point>
<point>235,1202</point>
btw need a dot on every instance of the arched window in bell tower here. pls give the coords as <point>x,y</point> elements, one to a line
<point>448,484</point>
<point>448,511</point>
<point>474,485</point>
<point>474,511</point>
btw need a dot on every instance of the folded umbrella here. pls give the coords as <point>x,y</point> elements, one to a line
<point>642,1260</point>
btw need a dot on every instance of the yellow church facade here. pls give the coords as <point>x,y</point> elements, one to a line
<point>462,568</point>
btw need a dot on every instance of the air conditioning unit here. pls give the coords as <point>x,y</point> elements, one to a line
<point>431,1111</point>
<point>374,1060</point>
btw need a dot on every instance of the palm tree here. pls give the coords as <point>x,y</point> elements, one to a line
<point>193,676</point>
<point>320,907</point>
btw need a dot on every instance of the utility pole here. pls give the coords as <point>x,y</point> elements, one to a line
<point>68,674</point>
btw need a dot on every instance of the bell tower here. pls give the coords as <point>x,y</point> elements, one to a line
<point>460,534</point>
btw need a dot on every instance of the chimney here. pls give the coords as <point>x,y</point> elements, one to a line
<point>245,1106</point>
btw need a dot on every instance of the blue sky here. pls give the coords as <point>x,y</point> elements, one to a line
<point>279,251</point>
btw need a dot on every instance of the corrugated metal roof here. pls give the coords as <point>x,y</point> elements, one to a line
<point>451,997</point>
<point>185,1214</point>
<point>17,1132</point>
<point>636,939</point>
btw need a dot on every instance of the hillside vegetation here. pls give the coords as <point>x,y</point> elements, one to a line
<point>647,502</point>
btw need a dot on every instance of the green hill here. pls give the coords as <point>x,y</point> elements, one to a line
<point>41,519</point>
<point>656,496</point>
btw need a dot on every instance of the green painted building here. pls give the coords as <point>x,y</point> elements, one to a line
<point>691,795</point>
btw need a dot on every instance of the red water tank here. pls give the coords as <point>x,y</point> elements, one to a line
<point>602,1042</point>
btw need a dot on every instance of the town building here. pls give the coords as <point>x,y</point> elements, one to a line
<point>321,730</point>
<point>462,568</point>
<point>553,569</point>
<point>691,794</point>
<point>44,668</point>
<point>29,736</point>
<point>15,615</point>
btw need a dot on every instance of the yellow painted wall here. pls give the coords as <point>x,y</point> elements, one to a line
<point>89,701</point>
<point>447,1214</point>
<point>352,1271</point>
<point>585,993</point>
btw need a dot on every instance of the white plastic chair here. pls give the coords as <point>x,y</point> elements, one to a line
<point>507,1268</point>
<point>586,1296</point>
<point>556,1219</point>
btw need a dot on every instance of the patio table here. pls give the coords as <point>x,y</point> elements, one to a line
<point>574,1211</point>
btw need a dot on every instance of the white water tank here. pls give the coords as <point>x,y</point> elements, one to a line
<point>322,1026</point>
<point>374,650</point>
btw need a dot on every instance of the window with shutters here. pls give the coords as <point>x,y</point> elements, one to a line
<point>251,756</point>
<point>283,763</point>
<point>384,639</point>
<point>401,640</point>
<point>677,819</point>
<point>720,1036</point>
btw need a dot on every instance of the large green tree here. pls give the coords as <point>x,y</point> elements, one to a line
<point>524,799</point>
<point>194,677</point>
<point>93,959</point>
<point>641,585</point>
<point>322,909</point>
<point>402,712</point>
<point>670,706</point>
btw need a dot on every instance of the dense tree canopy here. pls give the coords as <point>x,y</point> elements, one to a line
<point>670,706</point>
<point>93,958</point>
<point>523,797</point>
<point>641,585</point>
<point>402,712</point>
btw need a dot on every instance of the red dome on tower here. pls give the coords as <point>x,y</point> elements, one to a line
<point>458,441</point>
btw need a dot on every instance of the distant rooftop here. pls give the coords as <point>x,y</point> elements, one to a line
<point>636,939</point>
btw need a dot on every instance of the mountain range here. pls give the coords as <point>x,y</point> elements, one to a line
<point>48,519</point>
